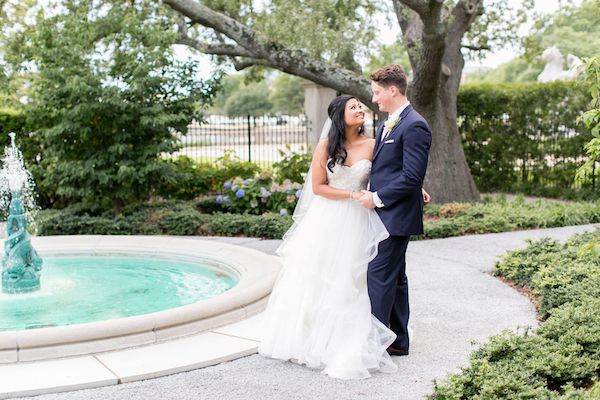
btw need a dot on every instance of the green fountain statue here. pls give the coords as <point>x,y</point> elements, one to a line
<point>21,264</point>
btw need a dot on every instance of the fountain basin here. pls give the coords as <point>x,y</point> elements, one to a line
<point>254,271</point>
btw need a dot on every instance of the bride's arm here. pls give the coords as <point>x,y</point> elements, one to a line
<point>320,185</point>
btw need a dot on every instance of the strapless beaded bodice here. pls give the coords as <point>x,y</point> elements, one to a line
<point>355,177</point>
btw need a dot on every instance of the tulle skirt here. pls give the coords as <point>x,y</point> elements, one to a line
<point>319,313</point>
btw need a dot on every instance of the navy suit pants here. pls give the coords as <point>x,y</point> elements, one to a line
<point>388,287</point>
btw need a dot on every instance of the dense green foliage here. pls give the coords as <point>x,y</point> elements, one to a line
<point>292,166</point>
<point>519,69</point>
<point>287,95</point>
<point>191,179</point>
<point>15,120</point>
<point>561,360</point>
<point>338,31</point>
<point>524,137</point>
<point>14,14</point>
<point>385,54</point>
<point>591,119</point>
<point>105,97</point>
<point>239,95</point>
<point>11,120</point>
<point>574,29</point>
<point>251,100</point>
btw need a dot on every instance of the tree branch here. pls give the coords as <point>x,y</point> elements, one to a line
<point>412,30</point>
<point>217,49</point>
<point>295,62</point>
<point>475,48</point>
<point>220,49</point>
<point>465,12</point>
<point>424,30</point>
<point>200,14</point>
<point>421,7</point>
<point>247,63</point>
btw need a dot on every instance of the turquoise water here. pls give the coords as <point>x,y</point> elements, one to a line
<point>94,288</point>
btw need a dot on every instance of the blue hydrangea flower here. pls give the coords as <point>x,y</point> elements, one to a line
<point>240,193</point>
<point>247,182</point>
<point>283,211</point>
<point>219,199</point>
<point>227,185</point>
<point>298,193</point>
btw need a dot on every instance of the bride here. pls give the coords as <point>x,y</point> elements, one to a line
<point>319,313</point>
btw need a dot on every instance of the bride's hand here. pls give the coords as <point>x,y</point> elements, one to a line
<point>426,196</point>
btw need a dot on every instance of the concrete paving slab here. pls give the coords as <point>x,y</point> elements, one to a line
<point>30,379</point>
<point>249,328</point>
<point>176,356</point>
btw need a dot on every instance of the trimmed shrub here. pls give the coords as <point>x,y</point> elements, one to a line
<point>525,137</point>
<point>161,218</point>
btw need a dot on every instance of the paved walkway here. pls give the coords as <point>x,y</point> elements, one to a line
<point>454,301</point>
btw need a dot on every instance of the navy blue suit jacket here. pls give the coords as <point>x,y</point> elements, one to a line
<point>398,171</point>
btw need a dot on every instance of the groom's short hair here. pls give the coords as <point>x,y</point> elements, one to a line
<point>389,75</point>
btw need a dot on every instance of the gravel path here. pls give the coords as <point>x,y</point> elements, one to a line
<point>454,300</point>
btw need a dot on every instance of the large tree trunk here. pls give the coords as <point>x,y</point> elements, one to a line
<point>434,46</point>
<point>448,176</point>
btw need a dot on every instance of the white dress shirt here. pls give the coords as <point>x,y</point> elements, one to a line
<point>384,133</point>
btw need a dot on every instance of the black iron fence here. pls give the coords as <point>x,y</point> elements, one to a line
<point>256,139</point>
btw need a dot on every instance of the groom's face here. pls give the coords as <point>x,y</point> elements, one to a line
<point>383,96</point>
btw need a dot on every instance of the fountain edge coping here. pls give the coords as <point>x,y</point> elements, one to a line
<point>255,270</point>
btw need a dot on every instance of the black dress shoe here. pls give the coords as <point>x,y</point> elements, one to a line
<point>397,352</point>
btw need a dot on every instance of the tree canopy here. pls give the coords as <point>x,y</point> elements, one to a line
<point>106,95</point>
<point>573,29</point>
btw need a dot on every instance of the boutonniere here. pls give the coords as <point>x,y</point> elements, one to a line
<point>391,123</point>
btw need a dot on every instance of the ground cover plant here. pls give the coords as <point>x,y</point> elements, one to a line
<point>561,359</point>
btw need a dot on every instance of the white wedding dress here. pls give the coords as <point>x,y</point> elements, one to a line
<point>319,313</point>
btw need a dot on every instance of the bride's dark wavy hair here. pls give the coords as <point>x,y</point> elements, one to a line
<point>337,133</point>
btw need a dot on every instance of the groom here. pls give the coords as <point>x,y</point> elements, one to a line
<point>399,164</point>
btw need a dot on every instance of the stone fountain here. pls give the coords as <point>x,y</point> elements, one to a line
<point>21,264</point>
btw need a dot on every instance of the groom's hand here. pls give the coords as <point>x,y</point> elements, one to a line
<point>366,200</point>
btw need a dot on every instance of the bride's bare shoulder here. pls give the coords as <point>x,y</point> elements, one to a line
<point>370,142</point>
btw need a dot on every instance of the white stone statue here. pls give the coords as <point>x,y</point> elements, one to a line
<point>555,63</point>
